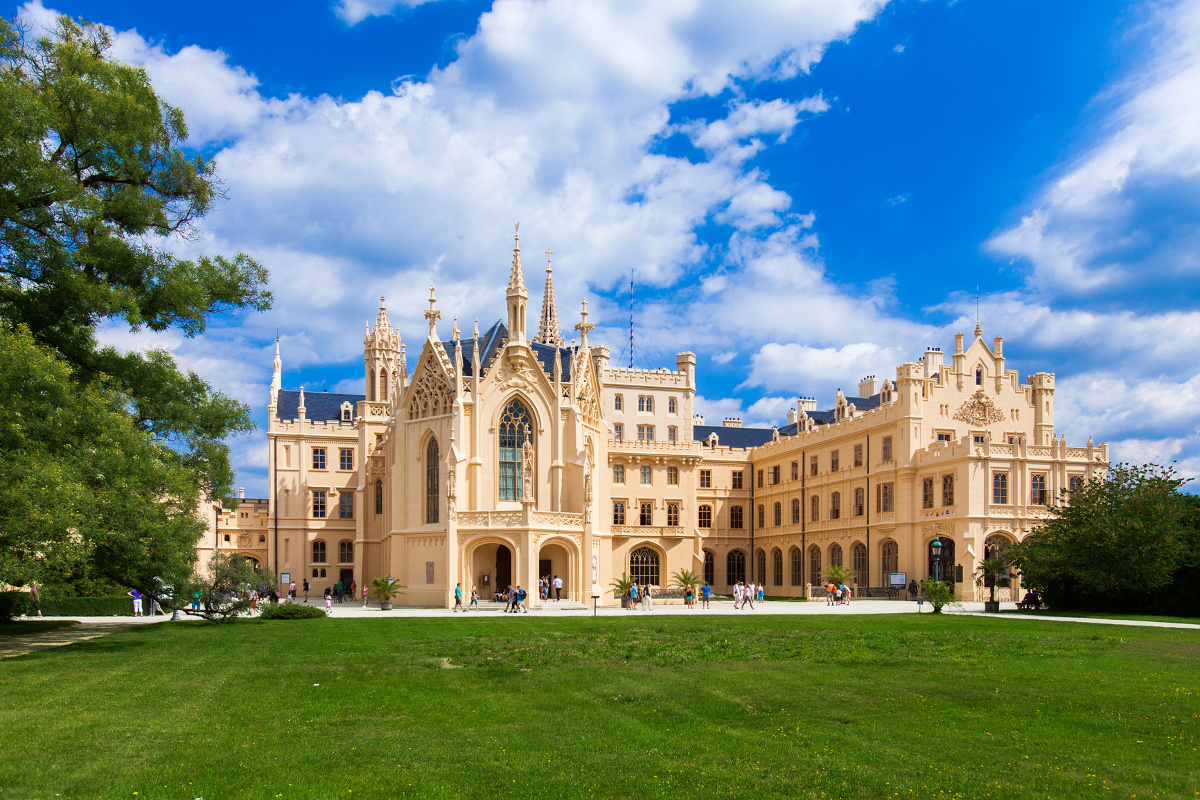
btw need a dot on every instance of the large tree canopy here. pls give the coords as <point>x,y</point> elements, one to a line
<point>96,188</point>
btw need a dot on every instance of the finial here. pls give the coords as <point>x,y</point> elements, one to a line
<point>433,315</point>
<point>583,326</point>
<point>516,279</point>
<point>381,303</point>
<point>454,334</point>
<point>477,327</point>
<point>549,331</point>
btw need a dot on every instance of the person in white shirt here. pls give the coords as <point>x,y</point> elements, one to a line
<point>557,588</point>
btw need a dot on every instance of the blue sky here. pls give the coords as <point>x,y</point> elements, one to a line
<point>804,192</point>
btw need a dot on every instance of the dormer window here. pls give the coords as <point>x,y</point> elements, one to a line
<point>347,412</point>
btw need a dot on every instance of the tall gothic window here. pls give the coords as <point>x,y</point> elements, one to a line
<point>710,568</point>
<point>835,555</point>
<point>797,567</point>
<point>383,385</point>
<point>777,567</point>
<point>515,427</point>
<point>890,558</point>
<point>432,494</point>
<point>643,566</point>
<point>814,564</point>
<point>858,560</point>
<point>378,497</point>
<point>735,567</point>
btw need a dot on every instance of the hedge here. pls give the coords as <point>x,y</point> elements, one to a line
<point>119,606</point>
<point>290,611</point>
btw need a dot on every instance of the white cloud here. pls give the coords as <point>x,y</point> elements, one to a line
<point>355,11</point>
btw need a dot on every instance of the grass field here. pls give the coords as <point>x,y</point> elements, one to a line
<point>704,707</point>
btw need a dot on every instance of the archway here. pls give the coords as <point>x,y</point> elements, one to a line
<point>491,568</point>
<point>942,568</point>
<point>557,560</point>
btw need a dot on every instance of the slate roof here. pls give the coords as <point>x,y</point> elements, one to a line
<point>830,416</point>
<point>489,347</point>
<point>317,405</point>
<point>732,437</point>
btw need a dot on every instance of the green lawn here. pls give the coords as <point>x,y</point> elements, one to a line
<point>1104,615</point>
<point>23,626</point>
<point>704,707</point>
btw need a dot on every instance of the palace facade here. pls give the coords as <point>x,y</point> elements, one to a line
<point>502,457</point>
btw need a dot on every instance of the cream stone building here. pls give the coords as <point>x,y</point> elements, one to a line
<point>502,456</point>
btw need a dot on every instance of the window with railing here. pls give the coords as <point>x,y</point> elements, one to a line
<point>646,515</point>
<point>947,490</point>
<point>1037,487</point>
<point>797,560</point>
<point>814,564</point>
<point>735,567</point>
<point>858,560</point>
<point>710,567</point>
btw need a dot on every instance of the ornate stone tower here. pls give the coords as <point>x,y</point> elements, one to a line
<point>549,331</point>
<point>381,355</point>
<point>518,296</point>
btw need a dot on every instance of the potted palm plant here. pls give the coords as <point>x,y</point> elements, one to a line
<point>621,587</point>
<point>993,571</point>
<point>685,579</point>
<point>385,588</point>
<point>839,575</point>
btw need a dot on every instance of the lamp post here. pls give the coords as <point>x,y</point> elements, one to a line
<point>935,547</point>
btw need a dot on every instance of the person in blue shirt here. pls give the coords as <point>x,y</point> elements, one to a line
<point>705,593</point>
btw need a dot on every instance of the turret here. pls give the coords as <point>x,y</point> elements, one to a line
<point>518,296</point>
<point>1042,384</point>
<point>381,351</point>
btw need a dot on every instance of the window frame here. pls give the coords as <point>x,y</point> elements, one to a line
<point>704,516</point>
<point>319,504</point>
<point>345,459</point>
<point>319,458</point>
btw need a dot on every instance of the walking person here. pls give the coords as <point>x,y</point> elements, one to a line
<point>328,601</point>
<point>292,591</point>
<point>474,598</point>
<point>748,597</point>
<point>35,600</point>
<point>458,606</point>
<point>557,589</point>
<point>306,591</point>
<point>137,601</point>
<point>646,597</point>
<point>761,592</point>
<point>913,588</point>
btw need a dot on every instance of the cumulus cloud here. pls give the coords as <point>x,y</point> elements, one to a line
<point>355,11</point>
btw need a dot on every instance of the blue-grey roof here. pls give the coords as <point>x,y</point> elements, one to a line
<point>830,416</point>
<point>317,405</point>
<point>732,437</point>
<point>489,347</point>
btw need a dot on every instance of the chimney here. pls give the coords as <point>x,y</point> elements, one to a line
<point>241,493</point>
<point>867,386</point>
<point>792,416</point>
<point>933,361</point>
<point>733,422</point>
<point>698,419</point>
<point>809,404</point>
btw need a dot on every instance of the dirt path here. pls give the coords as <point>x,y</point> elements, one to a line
<point>24,643</point>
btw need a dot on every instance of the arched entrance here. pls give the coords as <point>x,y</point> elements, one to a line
<point>942,567</point>
<point>557,560</point>
<point>491,568</point>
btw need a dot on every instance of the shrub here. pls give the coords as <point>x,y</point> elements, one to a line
<point>290,611</point>
<point>91,606</point>
<point>12,604</point>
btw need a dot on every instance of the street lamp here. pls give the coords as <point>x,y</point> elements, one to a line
<point>935,547</point>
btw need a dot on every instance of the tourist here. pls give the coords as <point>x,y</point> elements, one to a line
<point>364,594</point>
<point>474,598</point>
<point>328,600</point>
<point>761,592</point>
<point>558,584</point>
<point>35,601</point>
<point>196,600</point>
<point>737,596</point>
<point>846,594</point>
<point>830,593</point>
<point>748,596</point>
<point>458,606</point>
<point>306,590</point>
<point>646,597</point>
<point>137,601</point>
<point>687,597</point>
<point>339,589</point>
<point>913,588</point>
<point>353,589</point>
<point>633,597</point>
<point>509,599</point>
<point>705,595</point>
<point>292,591</point>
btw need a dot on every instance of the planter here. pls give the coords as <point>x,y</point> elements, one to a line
<point>386,605</point>
<point>991,606</point>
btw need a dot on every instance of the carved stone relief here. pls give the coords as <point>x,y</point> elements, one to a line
<point>979,410</point>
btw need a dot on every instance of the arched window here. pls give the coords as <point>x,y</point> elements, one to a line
<point>1000,488</point>
<point>979,376</point>
<point>796,512</point>
<point>710,568</point>
<point>345,552</point>
<point>777,567</point>
<point>432,493</point>
<point>371,388</point>
<point>835,505</point>
<point>383,385</point>
<point>378,497</point>
<point>816,509</point>
<point>318,550</point>
<point>760,566</point>
<point>515,429</point>
<point>942,568</point>
<point>994,547</point>
<point>858,561</point>
<point>835,555</point>
<point>778,514</point>
<point>797,567</point>
<point>643,566</point>
<point>814,564</point>
<point>704,516</point>
<point>889,557</point>
<point>735,567</point>
<point>735,517</point>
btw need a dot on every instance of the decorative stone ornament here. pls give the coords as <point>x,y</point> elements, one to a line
<point>979,410</point>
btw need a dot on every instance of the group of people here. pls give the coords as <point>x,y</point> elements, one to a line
<point>546,583</point>
<point>837,594</point>
<point>746,593</point>
<point>638,594</point>
<point>689,596</point>
<point>458,598</point>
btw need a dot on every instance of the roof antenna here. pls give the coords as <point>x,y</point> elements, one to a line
<point>631,324</point>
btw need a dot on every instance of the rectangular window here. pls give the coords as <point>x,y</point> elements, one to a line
<point>927,493</point>
<point>760,478</point>
<point>884,497</point>
<point>704,516</point>
<point>318,505</point>
<point>977,438</point>
<point>673,515</point>
<point>762,514</point>
<point>645,403</point>
<point>671,405</point>
<point>944,437</point>
<point>860,500</point>
<point>814,509</point>
<point>618,402</point>
<point>706,479</point>
<point>1037,485</point>
<point>647,475</point>
<point>735,517</point>
<point>947,490</point>
<point>647,514</point>
<point>737,479</point>
<point>645,433</point>
<point>618,431</point>
<point>1000,488</point>
<point>318,458</point>
<point>346,506</point>
<point>796,512</point>
<point>778,514</point>
<point>887,448</point>
<point>672,476</point>
<point>858,455</point>
<point>346,458</point>
<point>795,470</point>
<point>835,505</point>
<point>618,473</point>
<point>672,434</point>
<point>834,461</point>
<point>812,466</point>
<point>618,512</point>
<point>774,473</point>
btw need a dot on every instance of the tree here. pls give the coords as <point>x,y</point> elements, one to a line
<point>993,571</point>
<point>224,588</point>
<point>1126,542</point>
<point>686,579</point>
<point>838,574</point>
<point>385,588</point>
<point>939,594</point>
<point>95,190</point>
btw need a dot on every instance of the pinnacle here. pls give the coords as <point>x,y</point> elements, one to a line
<point>516,280</point>
<point>549,332</point>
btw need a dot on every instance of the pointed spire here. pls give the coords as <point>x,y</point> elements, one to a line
<point>978,331</point>
<point>516,279</point>
<point>276,375</point>
<point>583,326</point>
<point>433,315</point>
<point>549,332</point>
<point>300,408</point>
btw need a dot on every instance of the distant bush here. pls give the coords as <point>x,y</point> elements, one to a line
<point>290,611</point>
<point>91,606</point>
<point>12,604</point>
